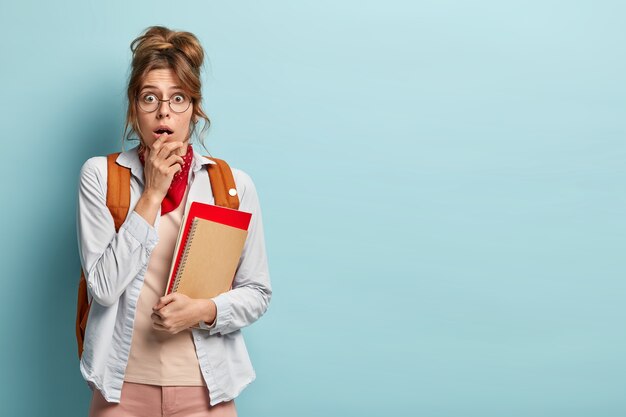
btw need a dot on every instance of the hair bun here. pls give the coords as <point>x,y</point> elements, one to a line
<point>159,38</point>
<point>189,45</point>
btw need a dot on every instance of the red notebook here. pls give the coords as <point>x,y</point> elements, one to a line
<point>205,218</point>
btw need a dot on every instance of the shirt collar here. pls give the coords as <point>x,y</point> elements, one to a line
<point>130,159</point>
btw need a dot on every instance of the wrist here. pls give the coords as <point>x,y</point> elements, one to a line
<point>148,207</point>
<point>208,311</point>
<point>152,197</point>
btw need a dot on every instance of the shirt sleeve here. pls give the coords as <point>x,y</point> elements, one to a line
<point>251,291</point>
<point>204,326</point>
<point>110,260</point>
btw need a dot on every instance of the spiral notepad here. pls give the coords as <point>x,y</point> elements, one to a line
<point>208,250</point>
<point>209,260</point>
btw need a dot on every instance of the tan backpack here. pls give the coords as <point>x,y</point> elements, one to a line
<point>118,202</point>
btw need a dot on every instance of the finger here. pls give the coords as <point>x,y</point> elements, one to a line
<point>165,149</point>
<point>159,142</point>
<point>166,299</point>
<point>177,167</point>
<point>171,145</point>
<point>180,151</point>
<point>164,154</point>
<point>169,166</point>
<point>173,170</point>
<point>162,141</point>
<point>158,326</point>
<point>174,159</point>
<point>157,147</point>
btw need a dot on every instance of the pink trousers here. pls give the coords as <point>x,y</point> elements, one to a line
<point>139,400</point>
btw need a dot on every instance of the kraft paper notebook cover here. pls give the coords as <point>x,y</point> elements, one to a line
<point>208,249</point>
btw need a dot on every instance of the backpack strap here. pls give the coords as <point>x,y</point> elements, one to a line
<point>118,190</point>
<point>223,184</point>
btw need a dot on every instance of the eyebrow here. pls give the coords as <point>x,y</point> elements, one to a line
<point>174,87</point>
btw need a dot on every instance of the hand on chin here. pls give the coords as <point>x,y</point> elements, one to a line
<point>165,138</point>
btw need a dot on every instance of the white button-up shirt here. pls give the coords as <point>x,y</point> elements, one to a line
<point>115,264</point>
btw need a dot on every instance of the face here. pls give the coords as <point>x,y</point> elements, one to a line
<point>163,84</point>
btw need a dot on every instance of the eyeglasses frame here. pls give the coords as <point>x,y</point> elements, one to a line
<point>169,102</point>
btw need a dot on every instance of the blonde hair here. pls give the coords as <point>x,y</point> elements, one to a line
<point>162,48</point>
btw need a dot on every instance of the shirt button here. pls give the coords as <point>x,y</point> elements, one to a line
<point>232,192</point>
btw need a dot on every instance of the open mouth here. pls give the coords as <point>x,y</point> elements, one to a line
<point>161,131</point>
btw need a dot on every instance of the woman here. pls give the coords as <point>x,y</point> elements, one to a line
<point>143,352</point>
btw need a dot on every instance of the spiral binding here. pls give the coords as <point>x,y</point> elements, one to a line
<point>183,260</point>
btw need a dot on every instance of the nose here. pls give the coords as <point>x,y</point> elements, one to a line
<point>163,109</point>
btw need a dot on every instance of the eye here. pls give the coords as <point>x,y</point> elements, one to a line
<point>149,98</point>
<point>179,98</point>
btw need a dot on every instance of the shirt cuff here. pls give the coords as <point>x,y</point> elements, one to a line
<point>204,326</point>
<point>141,230</point>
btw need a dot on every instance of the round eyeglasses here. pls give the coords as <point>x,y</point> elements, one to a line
<point>149,102</point>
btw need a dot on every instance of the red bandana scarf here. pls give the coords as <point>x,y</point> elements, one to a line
<point>179,183</point>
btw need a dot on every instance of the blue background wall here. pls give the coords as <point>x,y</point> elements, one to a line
<point>442,185</point>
